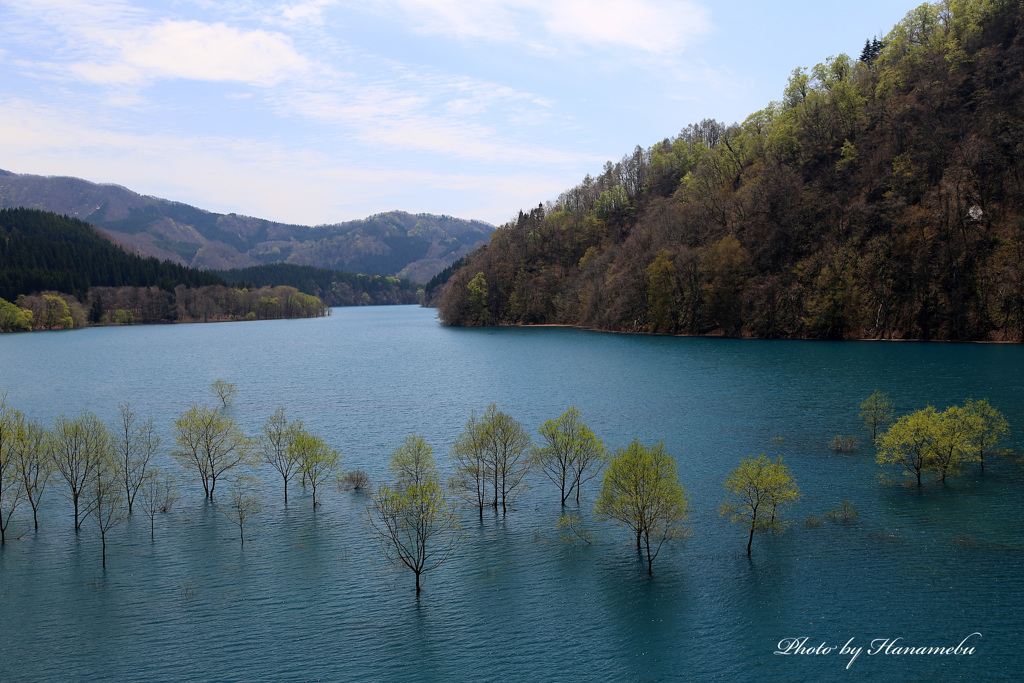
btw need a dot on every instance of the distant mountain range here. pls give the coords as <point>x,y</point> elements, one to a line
<point>396,243</point>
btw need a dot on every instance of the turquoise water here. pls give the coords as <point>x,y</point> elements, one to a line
<point>310,598</point>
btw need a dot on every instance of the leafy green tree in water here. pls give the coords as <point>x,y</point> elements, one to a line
<point>953,446</point>
<point>79,444</point>
<point>571,454</point>
<point>508,451</point>
<point>318,462</point>
<point>276,446</point>
<point>641,491</point>
<point>211,444</point>
<point>876,411</point>
<point>225,392</point>
<point>759,490</point>
<point>910,442</point>
<point>478,299</point>
<point>33,448</point>
<point>989,427</point>
<point>416,524</point>
<point>12,489</point>
<point>107,498</point>
<point>470,456</point>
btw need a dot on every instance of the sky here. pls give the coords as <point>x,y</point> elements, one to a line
<point>321,111</point>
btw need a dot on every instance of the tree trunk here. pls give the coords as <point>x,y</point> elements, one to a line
<point>750,541</point>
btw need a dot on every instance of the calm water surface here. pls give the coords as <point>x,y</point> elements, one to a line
<point>309,597</point>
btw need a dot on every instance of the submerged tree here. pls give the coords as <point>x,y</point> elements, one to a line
<point>571,454</point>
<point>78,446</point>
<point>276,447</point>
<point>33,452</point>
<point>317,461</point>
<point>245,500</point>
<point>211,444</point>
<point>12,489</point>
<point>225,392</point>
<point>472,462</point>
<point>416,524</point>
<point>911,442</point>
<point>988,427</point>
<point>108,500</point>
<point>876,411</point>
<point>135,444</point>
<point>758,492</point>
<point>641,491</point>
<point>158,494</point>
<point>508,449</point>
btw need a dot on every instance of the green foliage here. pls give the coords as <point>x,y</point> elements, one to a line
<point>478,298</point>
<point>940,442</point>
<point>876,412</point>
<point>416,524</point>
<point>13,318</point>
<point>570,455</point>
<point>910,442</point>
<point>988,427</point>
<point>211,444</point>
<point>275,446</point>
<point>317,461</point>
<point>572,531</point>
<point>225,392</point>
<point>641,491</point>
<point>759,491</point>
<point>44,251</point>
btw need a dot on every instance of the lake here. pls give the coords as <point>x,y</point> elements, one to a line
<point>309,596</point>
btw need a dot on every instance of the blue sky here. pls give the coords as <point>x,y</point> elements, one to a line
<point>319,111</point>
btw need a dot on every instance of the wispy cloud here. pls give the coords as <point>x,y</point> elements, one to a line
<point>253,176</point>
<point>658,27</point>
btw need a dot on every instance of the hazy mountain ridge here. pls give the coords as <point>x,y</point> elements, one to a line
<point>396,243</point>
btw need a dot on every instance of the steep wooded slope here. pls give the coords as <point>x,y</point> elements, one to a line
<point>881,197</point>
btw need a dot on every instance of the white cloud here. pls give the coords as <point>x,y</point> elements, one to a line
<point>213,52</point>
<point>196,51</point>
<point>110,43</point>
<point>305,13</point>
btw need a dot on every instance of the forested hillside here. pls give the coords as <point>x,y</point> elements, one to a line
<point>58,273</point>
<point>44,251</point>
<point>880,197</point>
